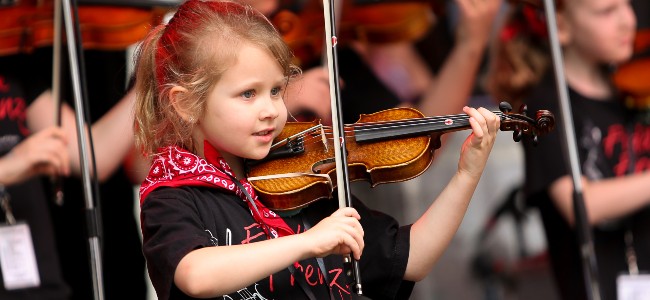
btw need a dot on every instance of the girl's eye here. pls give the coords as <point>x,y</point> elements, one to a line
<point>276,91</point>
<point>248,94</point>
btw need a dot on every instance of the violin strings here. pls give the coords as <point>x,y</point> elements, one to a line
<point>310,136</point>
<point>416,121</point>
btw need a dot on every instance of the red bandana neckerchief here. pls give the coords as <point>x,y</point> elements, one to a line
<point>174,167</point>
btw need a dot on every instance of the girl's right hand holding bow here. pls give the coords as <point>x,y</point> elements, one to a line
<point>340,233</point>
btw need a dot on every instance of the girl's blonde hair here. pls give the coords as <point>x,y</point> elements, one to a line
<point>193,50</point>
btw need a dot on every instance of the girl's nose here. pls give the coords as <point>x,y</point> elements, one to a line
<point>270,109</point>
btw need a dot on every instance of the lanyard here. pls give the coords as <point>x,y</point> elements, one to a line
<point>630,253</point>
<point>6,206</point>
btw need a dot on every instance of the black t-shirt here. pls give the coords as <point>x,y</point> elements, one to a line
<point>609,143</point>
<point>22,79</point>
<point>176,221</point>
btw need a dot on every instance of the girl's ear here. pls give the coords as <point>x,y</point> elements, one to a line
<point>176,97</point>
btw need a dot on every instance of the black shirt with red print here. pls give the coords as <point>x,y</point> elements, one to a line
<point>176,221</point>
<point>611,141</point>
<point>22,79</point>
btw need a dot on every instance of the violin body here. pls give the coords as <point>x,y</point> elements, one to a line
<point>388,146</point>
<point>375,162</point>
<point>631,78</point>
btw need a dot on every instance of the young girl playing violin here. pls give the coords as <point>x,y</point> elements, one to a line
<point>210,96</point>
<point>612,145</point>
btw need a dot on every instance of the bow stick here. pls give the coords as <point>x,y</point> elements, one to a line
<point>74,43</point>
<point>57,182</point>
<point>583,229</point>
<point>340,152</point>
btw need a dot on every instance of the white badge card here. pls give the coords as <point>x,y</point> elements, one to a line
<point>17,258</point>
<point>633,287</point>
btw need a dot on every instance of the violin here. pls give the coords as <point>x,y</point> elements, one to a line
<point>29,24</point>
<point>388,146</point>
<point>631,78</point>
<point>376,22</point>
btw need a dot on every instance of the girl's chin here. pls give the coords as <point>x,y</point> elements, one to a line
<point>258,156</point>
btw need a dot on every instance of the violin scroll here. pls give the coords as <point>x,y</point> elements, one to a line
<point>520,124</point>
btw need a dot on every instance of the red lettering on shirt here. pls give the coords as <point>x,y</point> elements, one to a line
<point>641,139</point>
<point>615,135</point>
<point>308,273</point>
<point>642,164</point>
<point>15,109</point>
<point>12,108</point>
<point>621,166</point>
<point>271,283</point>
<point>297,266</point>
<point>313,276</point>
<point>250,238</point>
<point>640,147</point>
<point>335,282</point>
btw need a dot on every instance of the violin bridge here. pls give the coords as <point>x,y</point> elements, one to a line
<point>323,138</point>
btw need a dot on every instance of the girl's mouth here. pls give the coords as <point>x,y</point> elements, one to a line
<point>263,133</point>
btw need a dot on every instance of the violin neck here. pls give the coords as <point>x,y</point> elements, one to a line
<point>368,132</point>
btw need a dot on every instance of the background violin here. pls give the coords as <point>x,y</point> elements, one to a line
<point>25,25</point>
<point>360,20</point>
<point>633,77</point>
<point>388,146</point>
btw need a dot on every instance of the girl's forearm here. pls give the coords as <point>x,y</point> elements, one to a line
<point>210,271</point>
<point>432,233</point>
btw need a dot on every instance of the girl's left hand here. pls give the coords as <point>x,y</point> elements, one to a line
<point>476,149</point>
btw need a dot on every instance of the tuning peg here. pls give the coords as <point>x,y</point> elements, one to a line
<point>523,109</point>
<point>516,135</point>
<point>535,140</point>
<point>505,107</point>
